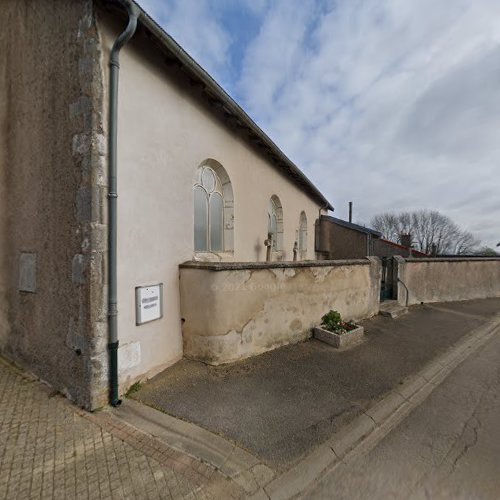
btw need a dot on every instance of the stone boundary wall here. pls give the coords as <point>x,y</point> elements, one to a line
<point>236,310</point>
<point>446,279</point>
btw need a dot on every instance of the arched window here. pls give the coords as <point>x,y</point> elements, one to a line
<point>303,235</point>
<point>275,222</point>
<point>213,209</point>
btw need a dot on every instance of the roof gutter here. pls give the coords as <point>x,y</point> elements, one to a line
<point>231,107</point>
<point>114,68</point>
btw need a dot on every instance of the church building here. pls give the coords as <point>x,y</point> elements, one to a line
<point>212,222</point>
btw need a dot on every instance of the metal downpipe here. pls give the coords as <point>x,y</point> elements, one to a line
<point>114,67</point>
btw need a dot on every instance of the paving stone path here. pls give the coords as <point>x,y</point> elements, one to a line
<point>50,449</point>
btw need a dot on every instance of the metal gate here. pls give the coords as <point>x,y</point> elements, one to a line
<point>386,287</point>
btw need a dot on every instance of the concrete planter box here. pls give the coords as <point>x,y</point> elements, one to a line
<point>339,340</point>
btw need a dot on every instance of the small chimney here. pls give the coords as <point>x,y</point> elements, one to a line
<point>350,211</point>
<point>405,240</point>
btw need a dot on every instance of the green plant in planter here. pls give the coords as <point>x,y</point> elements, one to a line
<point>332,321</point>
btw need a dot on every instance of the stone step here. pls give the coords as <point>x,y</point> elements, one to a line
<point>392,309</point>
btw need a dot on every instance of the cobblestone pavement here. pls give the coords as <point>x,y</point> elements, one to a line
<point>51,449</point>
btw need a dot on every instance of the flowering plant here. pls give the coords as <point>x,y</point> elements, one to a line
<point>332,321</point>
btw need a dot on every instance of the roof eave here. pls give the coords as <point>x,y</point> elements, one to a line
<point>353,227</point>
<point>230,107</point>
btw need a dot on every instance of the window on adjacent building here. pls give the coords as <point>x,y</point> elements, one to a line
<point>275,222</point>
<point>213,209</point>
<point>303,235</point>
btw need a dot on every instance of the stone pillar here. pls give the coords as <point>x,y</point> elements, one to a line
<point>375,280</point>
<point>399,280</point>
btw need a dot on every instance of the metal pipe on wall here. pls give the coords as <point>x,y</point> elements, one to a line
<point>114,67</point>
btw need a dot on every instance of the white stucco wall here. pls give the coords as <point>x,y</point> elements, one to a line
<point>164,134</point>
<point>245,310</point>
<point>447,279</point>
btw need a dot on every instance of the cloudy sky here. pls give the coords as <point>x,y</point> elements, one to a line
<point>393,104</point>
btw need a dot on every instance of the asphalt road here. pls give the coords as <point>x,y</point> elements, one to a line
<point>449,447</point>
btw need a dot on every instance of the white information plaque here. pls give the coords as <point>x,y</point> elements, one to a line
<point>148,303</point>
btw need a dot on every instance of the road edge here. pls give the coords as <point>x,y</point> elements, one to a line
<point>365,431</point>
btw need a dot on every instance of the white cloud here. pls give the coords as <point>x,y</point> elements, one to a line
<point>195,27</point>
<point>258,7</point>
<point>273,54</point>
<point>392,104</point>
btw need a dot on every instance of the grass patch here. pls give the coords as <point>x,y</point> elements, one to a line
<point>135,387</point>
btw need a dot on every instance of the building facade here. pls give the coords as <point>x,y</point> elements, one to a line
<point>197,180</point>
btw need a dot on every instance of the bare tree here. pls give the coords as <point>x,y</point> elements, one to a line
<point>430,231</point>
<point>487,252</point>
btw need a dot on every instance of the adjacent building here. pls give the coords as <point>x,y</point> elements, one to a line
<point>340,239</point>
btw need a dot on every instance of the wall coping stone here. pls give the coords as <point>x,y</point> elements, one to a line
<point>450,259</point>
<point>238,266</point>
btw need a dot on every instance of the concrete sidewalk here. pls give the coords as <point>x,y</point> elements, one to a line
<point>266,427</point>
<point>387,378</point>
<point>283,404</point>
